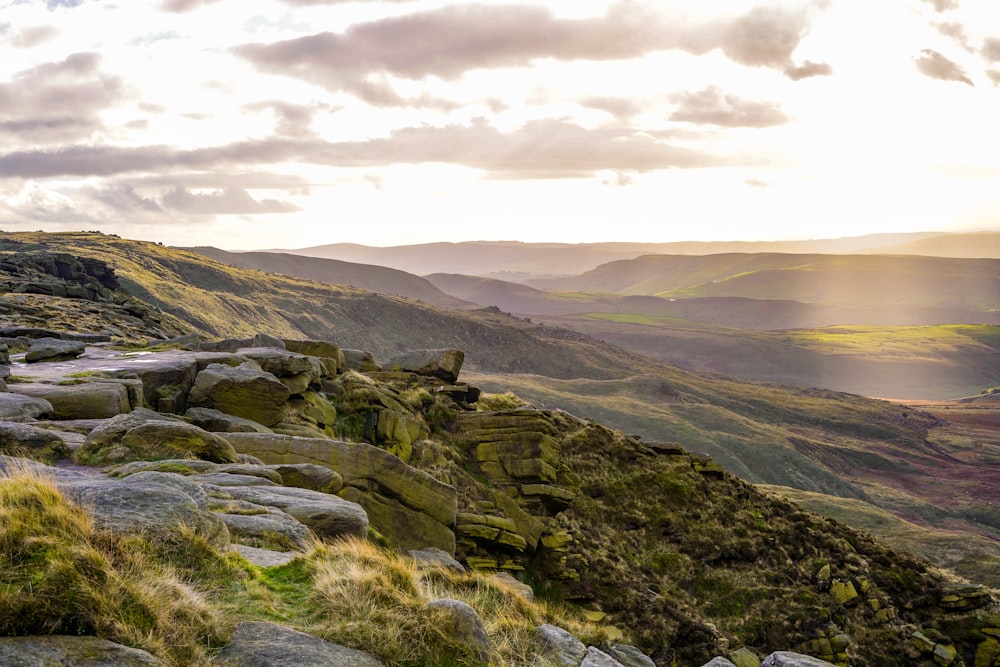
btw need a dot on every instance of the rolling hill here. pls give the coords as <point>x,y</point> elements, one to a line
<point>906,461</point>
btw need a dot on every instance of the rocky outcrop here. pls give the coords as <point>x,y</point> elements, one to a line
<point>19,407</point>
<point>443,364</point>
<point>24,440</point>
<point>261,644</point>
<point>53,349</point>
<point>409,507</point>
<point>144,434</point>
<point>85,400</point>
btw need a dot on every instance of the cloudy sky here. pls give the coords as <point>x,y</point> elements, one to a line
<point>289,123</point>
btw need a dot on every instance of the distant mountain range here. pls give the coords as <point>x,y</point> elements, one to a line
<point>516,261</point>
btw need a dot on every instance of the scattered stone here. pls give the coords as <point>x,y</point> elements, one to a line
<point>69,651</point>
<point>744,657</point>
<point>966,597</point>
<point>262,644</point>
<point>558,646</point>
<point>265,557</point>
<point>54,349</point>
<point>461,623</point>
<point>630,656</point>
<point>718,662</point>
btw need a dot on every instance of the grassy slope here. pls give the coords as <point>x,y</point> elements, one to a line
<point>365,276</point>
<point>817,441</point>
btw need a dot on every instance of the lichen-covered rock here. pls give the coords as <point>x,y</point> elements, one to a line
<point>24,440</point>
<point>719,661</point>
<point>245,391</point>
<point>558,646</point>
<point>444,364</point>
<point>88,400</point>
<point>630,656</point>
<point>284,364</point>
<point>53,349</point>
<point>462,625</point>
<point>260,525</point>
<point>327,352</point>
<point>309,476</point>
<point>142,437</point>
<point>405,528</point>
<point>744,657</point>
<point>262,644</point>
<point>311,408</point>
<point>69,651</point>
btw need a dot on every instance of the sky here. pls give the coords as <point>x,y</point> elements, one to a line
<point>250,124</point>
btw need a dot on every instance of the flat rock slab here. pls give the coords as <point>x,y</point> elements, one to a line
<point>260,644</point>
<point>54,349</point>
<point>67,651</point>
<point>444,364</point>
<point>89,400</point>
<point>790,659</point>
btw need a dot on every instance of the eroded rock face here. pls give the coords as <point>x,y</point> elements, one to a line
<point>19,407</point>
<point>88,400</point>
<point>408,506</point>
<point>144,434</point>
<point>53,349</point>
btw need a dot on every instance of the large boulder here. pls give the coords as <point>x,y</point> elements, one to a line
<point>88,400</point>
<point>262,644</point>
<point>69,651</point>
<point>598,658</point>
<point>24,440</point>
<point>217,421</point>
<point>145,437</point>
<point>360,361</point>
<point>53,349</point>
<point>245,391</point>
<point>444,364</point>
<point>18,407</point>
<point>790,659</point>
<point>461,624</point>
<point>249,522</point>
<point>327,352</point>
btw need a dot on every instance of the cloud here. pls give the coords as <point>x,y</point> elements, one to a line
<point>539,149</point>
<point>231,201</point>
<point>33,36</point>
<point>758,183</point>
<point>619,107</point>
<point>991,49</point>
<point>452,40</point>
<point>936,66</point>
<point>943,5</point>
<point>955,31</point>
<point>807,69</point>
<point>57,101</point>
<point>714,107</point>
<point>180,6</point>
<point>293,120</point>
<point>994,76</point>
<point>124,197</point>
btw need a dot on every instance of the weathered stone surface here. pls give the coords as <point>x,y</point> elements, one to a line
<point>744,657</point>
<point>630,656</point>
<point>158,439</point>
<point>965,597</point>
<point>18,407</point>
<point>398,431</point>
<point>217,421</point>
<point>261,644</point>
<point>89,400</point>
<point>519,586</point>
<point>444,364</point>
<point>265,557</point>
<point>258,525</point>
<point>299,430</point>
<point>312,408</point>
<point>140,504</point>
<point>514,446</point>
<point>598,658</point>
<point>360,361</point>
<point>790,659</point>
<point>245,391</point>
<point>282,363</point>
<point>404,527</point>
<point>460,622</point>
<point>944,655</point>
<point>558,646</point>
<point>267,340</point>
<point>190,342</point>
<point>197,467</point>
<point>68,651</point>
<point>434,557</point>
<point>53,349</point>
<point>18,439</point>
<point>327,515</point>
<point>359,465</point>
<point>718,662</point>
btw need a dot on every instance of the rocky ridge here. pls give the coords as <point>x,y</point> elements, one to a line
<point>248,443</point>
